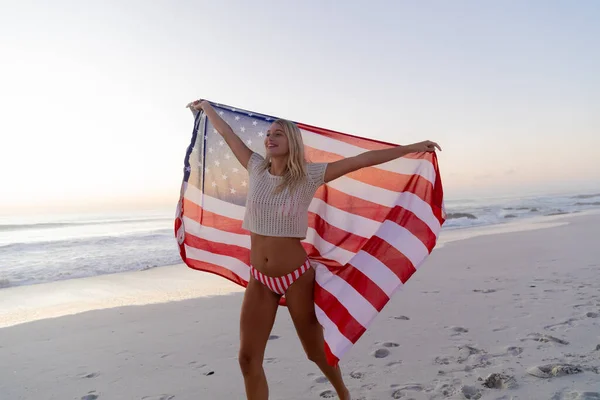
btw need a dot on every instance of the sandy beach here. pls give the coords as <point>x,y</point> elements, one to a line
<point>504,315</point>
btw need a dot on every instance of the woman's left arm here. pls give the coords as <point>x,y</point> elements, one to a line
<point>374,157</point>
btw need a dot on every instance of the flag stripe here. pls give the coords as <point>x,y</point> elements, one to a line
<point>379,177</point>
<point>402,165</point>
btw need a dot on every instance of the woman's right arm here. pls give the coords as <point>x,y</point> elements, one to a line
<point>235,143</point>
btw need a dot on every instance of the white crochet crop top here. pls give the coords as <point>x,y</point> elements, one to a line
<point>279,214</point>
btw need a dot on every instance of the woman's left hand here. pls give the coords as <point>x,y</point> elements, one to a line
<point>426,146</point>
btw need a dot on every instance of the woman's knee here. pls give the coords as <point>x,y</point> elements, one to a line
<point>250,363</point>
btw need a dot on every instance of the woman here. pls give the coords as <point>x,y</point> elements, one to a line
<point>281,187</point>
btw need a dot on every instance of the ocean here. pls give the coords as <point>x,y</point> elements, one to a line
<point>38,249</point>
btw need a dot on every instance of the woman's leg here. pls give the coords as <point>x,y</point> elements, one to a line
<point>300,302</point>
<point>259,308</point>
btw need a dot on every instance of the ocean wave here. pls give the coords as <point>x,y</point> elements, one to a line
<point>586,196</point>
<point>107,240</point>
<point>457,215</point>
<point>51,225</point>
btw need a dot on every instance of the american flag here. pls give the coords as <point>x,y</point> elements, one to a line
<point>368,231</point>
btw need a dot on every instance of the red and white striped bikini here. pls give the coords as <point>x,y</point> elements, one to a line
<point>280,284</point>
<point>279,214</point>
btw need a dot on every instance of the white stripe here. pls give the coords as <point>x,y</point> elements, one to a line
<point>231,263</point>
<point>215,235</point>
<point>213,204</point>
<point>350,222</point>
<point>337,342</point>
<point>388,198</point>
<point>401,165</point>
<point>377,271</point>
<point>362,311</point>
<point>327,249</point>
<point>404,241</point>
<point>279,285</point>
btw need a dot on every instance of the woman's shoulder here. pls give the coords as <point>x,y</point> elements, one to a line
<point>315,171</point>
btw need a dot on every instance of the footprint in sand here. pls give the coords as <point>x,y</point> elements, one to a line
<point>500,381</point>
<point>273,337</point>
<point>357,375</point>
<point>381,353</point>
<point>402,317</point>
<point>159,397</point>
<point>458,329</point>
<point>514,350</point>
<point>328,394</point>
<point>391,364</point>
<point>582,396</point>
<point>592,315</point>
<point>485,290</point>
<point>90,397</point>
<point>553,370</point>
<point>321,379</point>
<point>470,392</point>
<point>390,344</point>
<point>88,376</point>
<point>538,337</point>
<point>414,387</point>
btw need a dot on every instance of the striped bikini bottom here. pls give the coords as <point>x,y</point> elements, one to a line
<point>280,284</point>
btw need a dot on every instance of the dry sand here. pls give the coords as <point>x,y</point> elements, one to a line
<point>501,316</point>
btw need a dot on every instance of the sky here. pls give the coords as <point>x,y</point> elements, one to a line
<point>92,94</point>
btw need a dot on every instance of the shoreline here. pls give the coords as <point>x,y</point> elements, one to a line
<point>22,304</point>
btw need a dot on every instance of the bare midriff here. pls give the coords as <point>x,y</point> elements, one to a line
<point>276,256</point>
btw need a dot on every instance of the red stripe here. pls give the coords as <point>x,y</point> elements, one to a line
<point>397,262</point>
<point>365,286</point>
<point>241,253</point>
<point>215,269</point>
<point>338,314</point>
<point>351,242</point>
<point>356,278</point>
<point>331,359</point>
<point>414,225</point>
<point>369,144</point>
<point>374,176</point>
<point>355,205</point>
<point>207,218</point>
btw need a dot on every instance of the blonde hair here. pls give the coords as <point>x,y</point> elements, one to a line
<point>295,172</point>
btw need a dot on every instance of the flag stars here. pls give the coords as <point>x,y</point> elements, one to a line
<point>243,129</point>
<point>221,113</point>
<point>254,123</point>
<point>221,143</point>
<point>235,170</point>
<point>211,150</point>
<point>217,163</point>
<point>237,117</point>
<point>227,156</point>
<point>188,169</point>
<point>249,142</point>
<point>244,183</point>
<point>232,190</point>
<point>261,134</point>
<point>214,184</point>
<point>224,176</point>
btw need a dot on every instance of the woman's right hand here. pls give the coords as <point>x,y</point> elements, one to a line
<point>195,105</point>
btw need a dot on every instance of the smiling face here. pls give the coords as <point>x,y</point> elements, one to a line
<point>276,141</point>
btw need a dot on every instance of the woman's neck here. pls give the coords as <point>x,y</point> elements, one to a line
<point>278,166</point>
